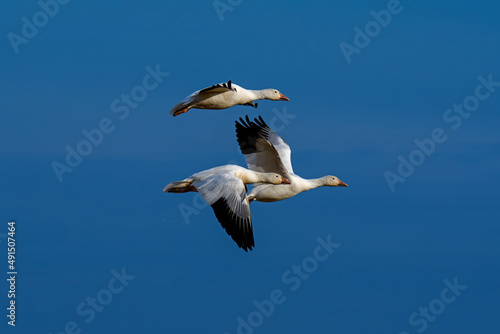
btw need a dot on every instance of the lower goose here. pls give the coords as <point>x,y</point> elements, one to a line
<point>266,151</point>
<point>224,188</point>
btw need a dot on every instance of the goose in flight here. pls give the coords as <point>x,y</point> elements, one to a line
<point>224,188</point>
<point>266,151</point>
<point>225,95</point>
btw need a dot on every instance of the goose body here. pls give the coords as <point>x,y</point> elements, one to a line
<point>266,151</point>
<point>225,95</point>
<point>224,188</point>
<point>273,193</point>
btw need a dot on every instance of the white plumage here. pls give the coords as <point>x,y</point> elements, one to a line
<point>225,95</point>
<point>224,189</point>
<point>266,151</point>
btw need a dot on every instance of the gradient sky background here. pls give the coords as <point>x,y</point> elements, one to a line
<point>352,120</point>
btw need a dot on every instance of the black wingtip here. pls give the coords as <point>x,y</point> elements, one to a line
<point>256,105</point>
<point>241,123</point>
<point>238,228</point>
<point>229,84</point>
<point>260,122</point>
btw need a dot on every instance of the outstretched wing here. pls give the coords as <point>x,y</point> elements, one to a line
<point>279,143</point>
<point>260,152</point>
<point>202,94</point>
<point>228,197</point>
<point>217,89</point>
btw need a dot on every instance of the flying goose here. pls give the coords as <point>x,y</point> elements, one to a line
<point>225,95</point>
<point>266,151</point>
<point>224,188</point>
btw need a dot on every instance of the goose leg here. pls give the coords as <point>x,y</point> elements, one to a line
<point>251,104</point>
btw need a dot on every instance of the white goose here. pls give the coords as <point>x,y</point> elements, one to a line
<point>225,95</point>
<point>224,188</point>
<point>266,151</point>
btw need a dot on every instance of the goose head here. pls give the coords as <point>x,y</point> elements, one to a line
<point>275,178</point>
<point>333,181</point>
<point>274,94</point>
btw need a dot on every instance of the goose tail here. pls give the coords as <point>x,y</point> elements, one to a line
<point>179,186</point>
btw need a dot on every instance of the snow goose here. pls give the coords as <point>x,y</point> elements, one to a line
<point>266,151</point>
<point>225,95</point>
<point>224,188</point>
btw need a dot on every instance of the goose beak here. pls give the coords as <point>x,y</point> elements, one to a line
<point>285,181</point>
<point>283,98</point>
<point>342,184</point>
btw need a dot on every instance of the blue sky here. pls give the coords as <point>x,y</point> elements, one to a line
<point>350,119</point>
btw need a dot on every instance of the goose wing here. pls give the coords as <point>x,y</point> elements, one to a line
<point>201,95</point>
<point>227,195</point>
<point>217,89</point>
<point>279,143</point>
<point>263,149</point>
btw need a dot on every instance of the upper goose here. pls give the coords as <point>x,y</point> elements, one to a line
<point>224,188</point>
<point>266,151</point>
<point>225,95</point>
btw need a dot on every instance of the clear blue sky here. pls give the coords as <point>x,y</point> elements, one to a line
<point>352,119</point>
